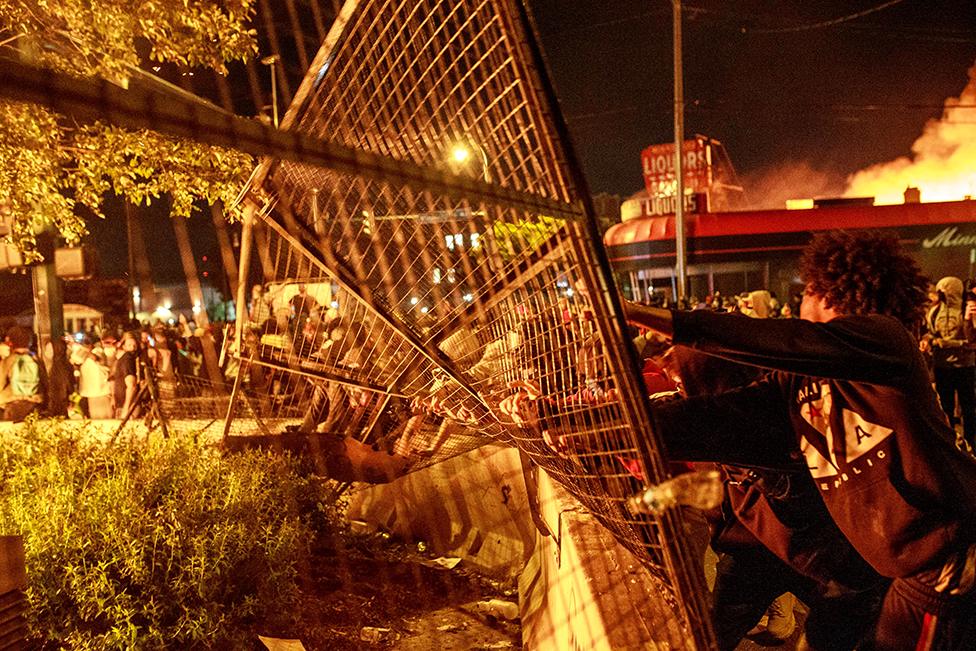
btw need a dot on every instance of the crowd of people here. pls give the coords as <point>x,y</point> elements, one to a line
<point>833,417</point>
<point>760,303</point>
<point>98,375</point>
<point>846,483</point>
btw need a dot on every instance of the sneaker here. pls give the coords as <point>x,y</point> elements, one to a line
<point>782,622</point>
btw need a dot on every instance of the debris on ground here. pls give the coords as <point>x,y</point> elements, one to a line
<point>371,592</point>
<point>277,644</point>
<point>443,562</point>
<point>499,608</point>
<point>375,635</point>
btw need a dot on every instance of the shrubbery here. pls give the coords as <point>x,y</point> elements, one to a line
<point>154,544</point>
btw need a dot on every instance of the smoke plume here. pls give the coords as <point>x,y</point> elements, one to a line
<point>769,189</point>
<point>943,160</point>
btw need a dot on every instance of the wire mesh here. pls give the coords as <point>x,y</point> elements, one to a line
<point>457,327</point>
<point>458,304</point>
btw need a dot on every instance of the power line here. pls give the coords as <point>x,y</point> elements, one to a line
<point>731,20</point>
<point>825,23</point>
<point>833,106</point>
<point>599,114</point>
<point>707,106</point>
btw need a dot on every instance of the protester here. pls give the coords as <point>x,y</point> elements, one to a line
<point>301,305</point>
<point>260,308</point>
<point>163,355</point>
<point>851,381</point>
<point>771,533</point>
<point>60,375</point>
<point>93,383</point>
<point>949,338</point>
<point>21,377</point>
<point>126,381</point>
<point>774,531</point>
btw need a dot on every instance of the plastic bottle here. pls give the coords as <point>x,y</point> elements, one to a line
<point>701,489</point>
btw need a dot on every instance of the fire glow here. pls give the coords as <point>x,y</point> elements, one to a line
<point>943,160</point>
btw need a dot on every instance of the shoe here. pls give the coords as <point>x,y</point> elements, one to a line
<point>782,622</point>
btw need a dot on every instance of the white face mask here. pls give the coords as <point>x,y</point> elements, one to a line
<point>109,352</point>
<point>4,351</point>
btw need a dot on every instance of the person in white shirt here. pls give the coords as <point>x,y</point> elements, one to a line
<point>93,383</point>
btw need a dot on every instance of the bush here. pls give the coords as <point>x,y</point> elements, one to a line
<point>153,544</point>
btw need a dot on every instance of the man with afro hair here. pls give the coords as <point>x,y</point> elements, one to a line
<point>851,390</point>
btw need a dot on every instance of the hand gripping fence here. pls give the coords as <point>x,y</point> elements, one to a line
<point>429,259</point>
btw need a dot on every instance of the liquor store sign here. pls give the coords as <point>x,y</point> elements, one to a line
<point>657,162</point>
<point>660,206</point>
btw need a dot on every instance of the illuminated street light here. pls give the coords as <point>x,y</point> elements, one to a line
<point>461,154</point>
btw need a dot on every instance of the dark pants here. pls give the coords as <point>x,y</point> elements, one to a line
<point>749,579</point>
<point>950,381</point>
<point>916,618</point>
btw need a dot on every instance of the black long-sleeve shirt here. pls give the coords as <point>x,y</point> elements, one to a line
<point>859,409</point>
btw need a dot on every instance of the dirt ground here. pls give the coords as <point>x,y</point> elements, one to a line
<point>373,593</point>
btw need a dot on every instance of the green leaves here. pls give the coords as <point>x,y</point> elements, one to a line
<point>153,545</point>
<point>101,37</point>
<point>31,179</point>
<point>143,166</point>
<point>513,238</point>
<point>51,168</point>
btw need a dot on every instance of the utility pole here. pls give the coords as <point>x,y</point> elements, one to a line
<point>270,62</point>
<point>679,137</point>
<point>48,306</point>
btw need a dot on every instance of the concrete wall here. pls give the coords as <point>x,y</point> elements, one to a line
<point>578,588</point>
<point>472,507</point>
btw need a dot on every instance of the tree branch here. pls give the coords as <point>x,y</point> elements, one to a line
<point>10,40</point>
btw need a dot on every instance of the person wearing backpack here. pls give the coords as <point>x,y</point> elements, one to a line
<point>21,387</point>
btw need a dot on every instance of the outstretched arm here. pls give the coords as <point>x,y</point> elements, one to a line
<point>747,426</point>
<point>653,318</point>
<point>870,348</point>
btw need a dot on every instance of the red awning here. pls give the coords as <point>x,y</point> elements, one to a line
<point>646,229</point>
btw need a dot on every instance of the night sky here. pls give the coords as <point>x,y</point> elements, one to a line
<point>831,100</point>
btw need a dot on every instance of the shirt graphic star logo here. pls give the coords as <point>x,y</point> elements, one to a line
<point>827,451</point>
